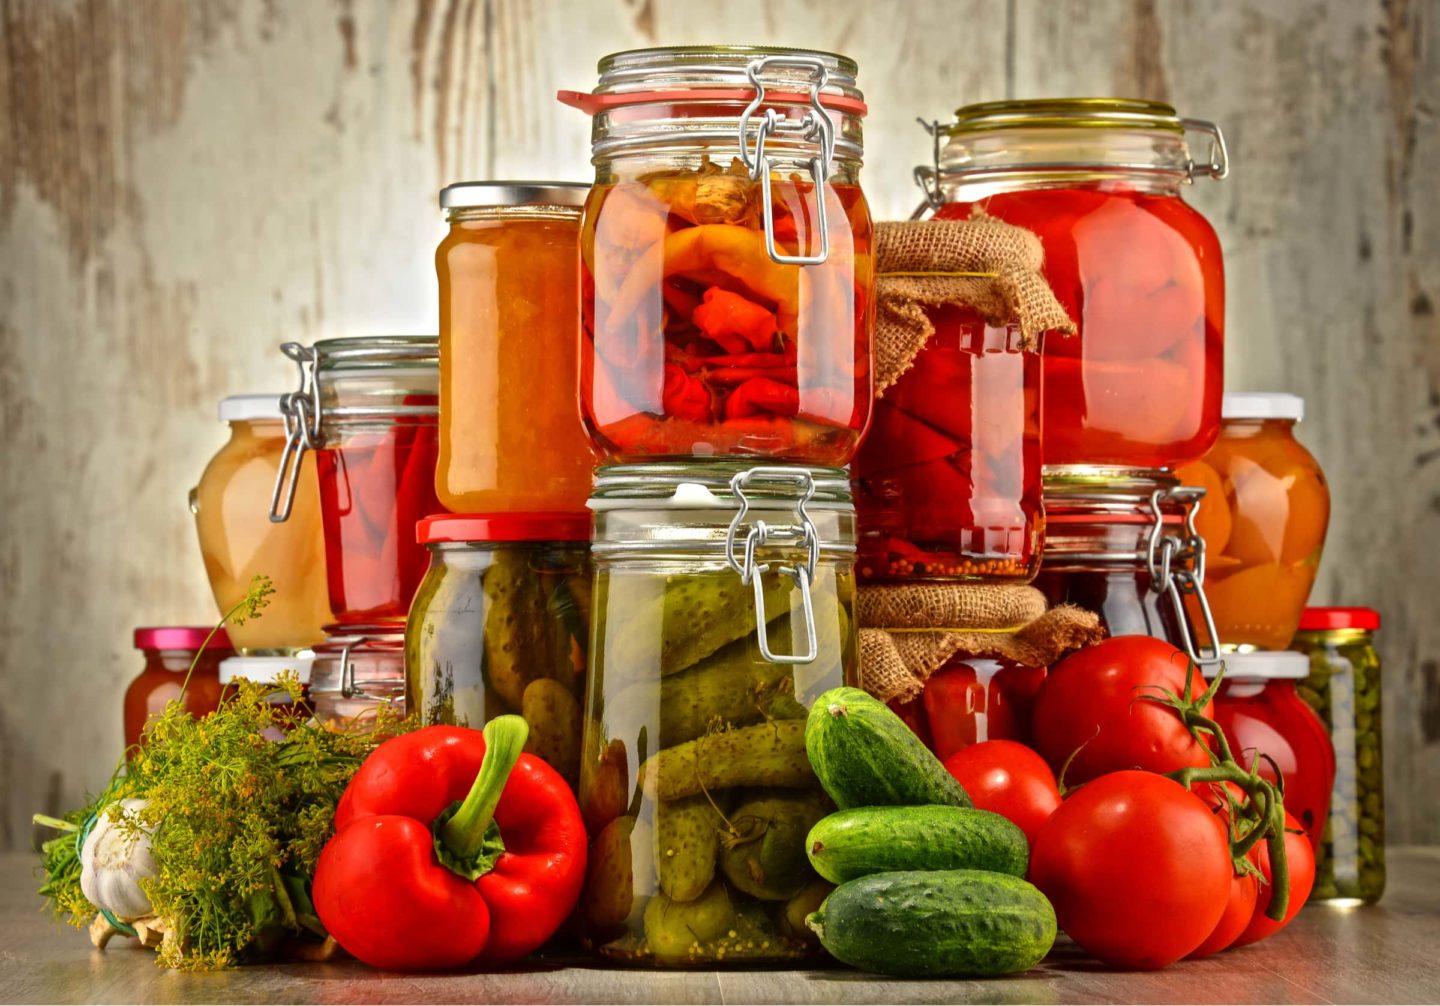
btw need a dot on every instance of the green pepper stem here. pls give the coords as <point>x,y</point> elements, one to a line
<point>464,833</point>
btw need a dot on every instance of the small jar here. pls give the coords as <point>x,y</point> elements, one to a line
<point>510,432</point>
<point>1344,688</point>
<point>726,309</point>
<point>1264,717</point>
<point>947,483</point>
<point>973,699</point>
<point>286,710</point>
<point>501,624</point>
<point>1264,520</point>
<point>1139,270</point>
<point>169,654</point>
<point>238,543</point>
<point>368,408</point>
<point>724,607</point>
<point>354,677</point>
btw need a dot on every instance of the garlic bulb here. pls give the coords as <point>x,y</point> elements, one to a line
<point>115,858</point>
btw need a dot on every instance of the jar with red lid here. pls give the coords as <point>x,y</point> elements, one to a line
<point>169,653</point>
<point>501,624</point>
<point>1138,269</point>
<point>726,269</point>
<point>1261,714</point>
<point>287,711</point>
<point>368,408</point>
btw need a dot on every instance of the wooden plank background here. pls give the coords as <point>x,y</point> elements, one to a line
<point>185,184</point>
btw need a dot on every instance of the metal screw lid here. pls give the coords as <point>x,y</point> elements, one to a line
<point>476,195</point>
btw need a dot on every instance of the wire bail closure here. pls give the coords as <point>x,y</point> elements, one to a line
<point>301,413</point>
<point>1217,161</point>
<point>1176,581</point>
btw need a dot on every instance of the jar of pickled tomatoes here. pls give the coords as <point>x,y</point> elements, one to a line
<point>1264,520</point>
<point>367,407</point>
<point>170,654</point>
<point>726,269</point>
<point>1139,270</point>
<point>510,433</point>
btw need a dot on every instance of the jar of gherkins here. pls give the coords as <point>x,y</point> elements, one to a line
<point>1344,688</point>
<point>724,607</point>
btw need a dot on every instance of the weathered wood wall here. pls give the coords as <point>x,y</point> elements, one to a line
<point>185,184</point>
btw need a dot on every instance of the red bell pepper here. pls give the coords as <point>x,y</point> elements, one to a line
<point>451,847</point>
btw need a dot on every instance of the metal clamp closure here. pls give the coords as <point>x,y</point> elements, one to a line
<point>815,126</point>
<point>927,176</point>
<point>1177,565</point>
<point>301,412</point>
<point>741,558</point>
<point>1217,161</point>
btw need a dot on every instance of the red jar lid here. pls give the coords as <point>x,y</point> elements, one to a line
<point>1320,619</point>
<point>482,527</point>
<point>179,637</point>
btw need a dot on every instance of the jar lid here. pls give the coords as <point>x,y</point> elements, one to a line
<point>1262,405</point>
<point>263,670</point>
<point>364,352</point>
<point>471,195</point>
<point>710,485</point>
<point>1266,665</point>
<point>1320,619</point>
<point>179,637</point>
<point>1067,113</point>
<point>503,527</point>
<point>242,408</point>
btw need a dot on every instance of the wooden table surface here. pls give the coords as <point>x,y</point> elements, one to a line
<point>1385,954</point>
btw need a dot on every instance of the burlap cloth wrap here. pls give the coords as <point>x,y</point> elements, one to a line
<point>916,263</point>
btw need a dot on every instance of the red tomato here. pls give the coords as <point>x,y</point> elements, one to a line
<point>1009,779</point>
<point>1137,867</point>
<point>1244,889</point>
<point>1092,703</point>
<point>1300,858</point>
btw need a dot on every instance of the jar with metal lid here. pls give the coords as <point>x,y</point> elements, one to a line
<point>286,710</point>
<point>1264,521</point>
<point>724,607</point>
<point>501,624</point>
<point>169,655</point>
<point>238,543</point>
<point>353,677</point>
<point>368,407</point>
<point>727,278</point>
<point>1343,686</point>
<point>510,432</point>
<point>1138,269</point>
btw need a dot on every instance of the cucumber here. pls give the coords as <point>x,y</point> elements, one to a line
<point>865,840</point>
<point>865,756</point>
<point>930,924</point>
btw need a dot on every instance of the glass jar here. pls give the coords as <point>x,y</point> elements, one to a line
<point>285,711</point>
<point>724,606</point>
<point>367,406</point>
<point>973,699</point>
<point>1261,714</point>
<point>501,624</point>
<point>510,432</point>
<point>238,543</point>
<point>1140,271</point>
<point>1264,526</point>
<point>354,677</point>
<point>726,310</point>
<point>947,483</point>
<point>1344,688</point>
<point>169,652</point>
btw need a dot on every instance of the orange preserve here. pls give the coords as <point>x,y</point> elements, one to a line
<point>510,431</point>
<point>1263,518</point>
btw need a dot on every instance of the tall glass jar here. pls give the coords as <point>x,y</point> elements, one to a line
<point>724,606</point>
<point>238,543</point>
<point>1099,180</point>
<point>727,276</point>
<point>511,439</point>
<point>169,653</point>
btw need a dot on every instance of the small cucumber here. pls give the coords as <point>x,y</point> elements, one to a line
<point>930,924</point>
<point>865,840</point>
<point>865,755</point>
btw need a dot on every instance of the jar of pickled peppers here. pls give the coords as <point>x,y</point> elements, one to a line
<point>974,699</point>
<point>726,271</point>
<point>170,652</point>
<point>1139,270</point>
<point>724,607</point>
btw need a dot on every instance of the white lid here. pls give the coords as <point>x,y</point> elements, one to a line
<point>263,670</point>
<point>1262,405</point>
<point>240,408</point>
<point>1264,665</point>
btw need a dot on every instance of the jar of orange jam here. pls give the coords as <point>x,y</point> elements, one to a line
<point>1264,518</point>
<point>511,439</point>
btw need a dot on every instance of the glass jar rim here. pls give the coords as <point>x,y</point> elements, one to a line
<point>701,485</point>
<point>670,56</point>
<point>367,352</point>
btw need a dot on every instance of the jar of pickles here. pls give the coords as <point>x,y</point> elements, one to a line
<point>501,624</point>
<point>510,432</point>
<point>1099,180</point>
<point>170,653</point>
<point>1343,686</point>
<point>354,677</point>
<point>367,407</point>
<point>238,543</point>
<point>724,606</point>
<point>727,277</point>
<point>1264,520</point>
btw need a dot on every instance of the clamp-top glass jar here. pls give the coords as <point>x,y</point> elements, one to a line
<point>1139,270</point>
<point>727,277</point>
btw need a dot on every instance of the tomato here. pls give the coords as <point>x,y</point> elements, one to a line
<point>1009,779</point>
<point>1239,909</point>
<point>1137,867</point>
<point>1092,703</point>
<point>1300,859</point>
